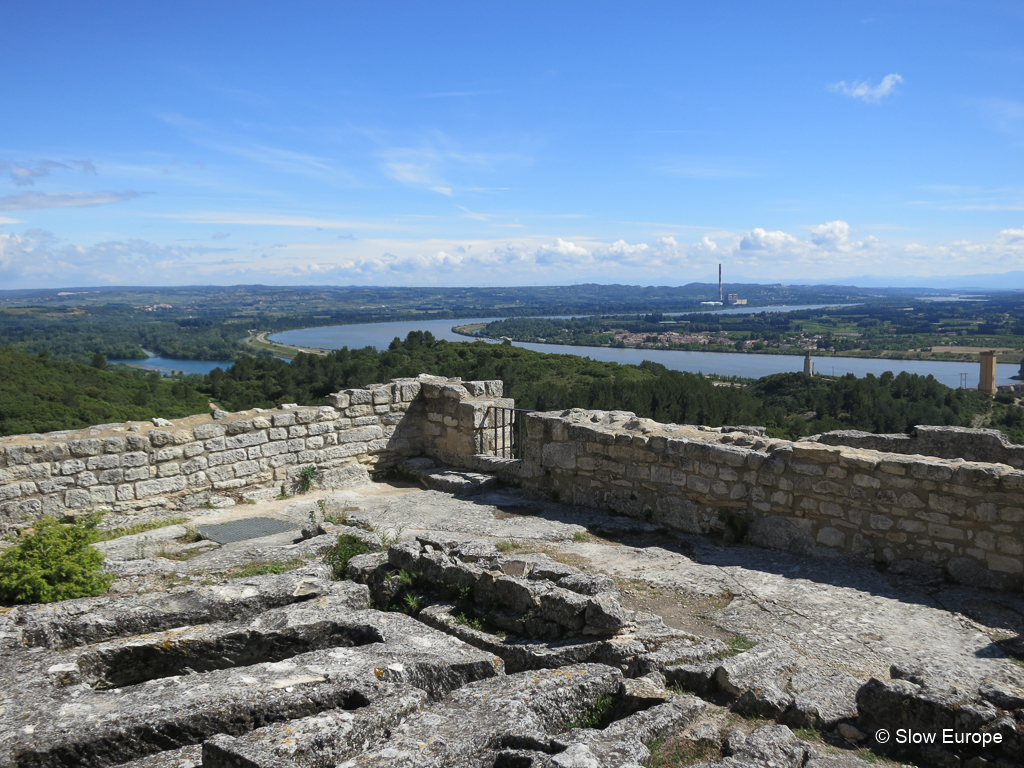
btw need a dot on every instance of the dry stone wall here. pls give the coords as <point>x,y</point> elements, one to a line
<point>966,517</point>
<point>242,456</point>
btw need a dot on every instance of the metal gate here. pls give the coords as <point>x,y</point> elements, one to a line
<point>502,432</point>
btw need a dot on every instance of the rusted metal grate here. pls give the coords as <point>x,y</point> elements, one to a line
<point>249,528</point>
<point>503,430</point>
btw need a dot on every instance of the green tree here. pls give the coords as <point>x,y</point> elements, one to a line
<point>55,562</point>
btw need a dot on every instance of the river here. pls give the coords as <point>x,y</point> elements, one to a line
<point>380,335</point>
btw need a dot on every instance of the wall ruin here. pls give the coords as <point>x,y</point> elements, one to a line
<point>250,455</point>
<point>966,517</point>
<point>875,498</point>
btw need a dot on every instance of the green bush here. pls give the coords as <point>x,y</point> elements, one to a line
<point>55,562</point>
<point>344,549</point>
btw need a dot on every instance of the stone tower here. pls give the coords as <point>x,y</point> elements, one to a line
<point>808,365</point>
<point>987,383</point>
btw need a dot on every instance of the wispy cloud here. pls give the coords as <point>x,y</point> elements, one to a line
<point>7,220</point>
<point>701,167</point>
<point>26,201</point>
<point>25,174</point>
<point>954,197</point>
<point>431,165</point>
<point>872,94</point>
<point>280,159</point>
<point>1006,114</point>
<point>267,220</point>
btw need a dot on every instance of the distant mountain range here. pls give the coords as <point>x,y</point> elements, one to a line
<point>1006,281</point>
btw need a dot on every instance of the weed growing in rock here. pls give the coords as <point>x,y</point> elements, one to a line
<point>413,604</point>
<point>464,620</point>
<point>262,569</point>
<point>736,525</point>
<point>596,716</point>
<point>344,549</point>
<point>670,752</point>
<point>734,647</point>
<point>140,548</point>
<point>582,536</point>
<point>407,579</point>
<point>505,546</point>
<point>55,562</point>
<point>149,525</point>
<point>190,536</point>
<point>306,477</point>
<point>389,536</point>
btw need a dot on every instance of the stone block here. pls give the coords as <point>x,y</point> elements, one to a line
<point>85,447</point>
<point>208,431</point>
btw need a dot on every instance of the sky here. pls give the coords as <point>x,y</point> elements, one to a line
<point>493,143</point>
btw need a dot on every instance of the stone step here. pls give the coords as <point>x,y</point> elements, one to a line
<point>457,482</point>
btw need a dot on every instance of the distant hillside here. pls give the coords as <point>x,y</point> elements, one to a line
<point>41,395</point>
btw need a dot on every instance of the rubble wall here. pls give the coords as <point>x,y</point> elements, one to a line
<point>966,517</point>
<point>250,455</point>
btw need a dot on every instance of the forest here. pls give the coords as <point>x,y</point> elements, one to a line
<point>37,394</point>
<point>42,395</point>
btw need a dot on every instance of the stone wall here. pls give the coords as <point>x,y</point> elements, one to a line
<point>250,455</point>
<point>966,517</point>
<point>988,445</point>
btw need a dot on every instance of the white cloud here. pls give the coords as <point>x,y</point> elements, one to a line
<point>26,201</point>
<point>834,233</point>
<point>8,220</point>
<point>864,91</point>
<point>830,250</point>
<point>759,239</point>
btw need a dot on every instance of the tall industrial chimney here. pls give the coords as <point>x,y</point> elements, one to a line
<point>719,282</point>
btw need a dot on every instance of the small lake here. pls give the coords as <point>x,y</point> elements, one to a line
<point>380,335</point>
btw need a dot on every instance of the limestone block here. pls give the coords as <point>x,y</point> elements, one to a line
<point>85,479</point>
<point>167,454</point>
<point>77,499</point>
<point>360,396</point>
<point>138,473</point>
<point>227,457</point>
<point>283,419</point>
<point>168,470</point>
<point>72,467</point>
<point>246,440</point>
<point>113,445</point>
<point>338,400</point>
<point>102,494</point>
<point>208,431</point>
<point>562,455</point>
<point>86,447</point>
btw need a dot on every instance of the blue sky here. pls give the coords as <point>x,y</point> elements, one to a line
<point>509,143</point>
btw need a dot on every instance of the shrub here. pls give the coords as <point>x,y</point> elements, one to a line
<point>55,562</point>
<point>344,549</point>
